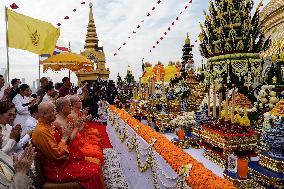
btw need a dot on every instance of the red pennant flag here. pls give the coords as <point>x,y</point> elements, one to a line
<point>161,38</point>
<point>176,18</point>
<point>154,47</point>
<point>124,44</point>
<point>169,28</point>
<point>159,2</point>
<point>153,8</point>
<point>14,6</point>
<point>138,26</point>
<point>173,23</point>
<point>74,10</point>
<point>185,7</point>
<point>66,17</point>
<point>157,42</point>
<point>83,3</point>
<point>58,24</point>
<point>148,14</point>
<point>165,33</point>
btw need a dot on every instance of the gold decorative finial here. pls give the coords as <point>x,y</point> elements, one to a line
<point>69,47</point>
<point>187,39</point>
<point>91,41</point>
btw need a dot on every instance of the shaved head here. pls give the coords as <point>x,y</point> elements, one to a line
<point>46,111</point>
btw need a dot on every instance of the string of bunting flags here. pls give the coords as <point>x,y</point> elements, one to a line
<point>134,31</point>
<point>171,26</point>
<point>67,17</point>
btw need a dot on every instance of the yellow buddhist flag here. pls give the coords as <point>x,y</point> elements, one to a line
<point>31,34</point>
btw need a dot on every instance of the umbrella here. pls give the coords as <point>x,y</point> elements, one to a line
<point>71,61</point>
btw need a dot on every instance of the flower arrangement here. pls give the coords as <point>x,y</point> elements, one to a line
<point>199,176</point>
<point>188,119</point>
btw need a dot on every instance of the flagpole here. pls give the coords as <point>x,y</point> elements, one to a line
<point>39,67</point>
<point>7,44</point>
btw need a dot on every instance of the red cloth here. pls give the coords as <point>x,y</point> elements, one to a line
<point>84,172</point>
<point>102,130</point>
<point>63,91</point>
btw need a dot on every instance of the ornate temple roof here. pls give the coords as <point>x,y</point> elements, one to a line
<point>273,22</point>
<point>91,41</point>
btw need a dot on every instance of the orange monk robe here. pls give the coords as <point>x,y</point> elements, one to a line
<point>58,166</point>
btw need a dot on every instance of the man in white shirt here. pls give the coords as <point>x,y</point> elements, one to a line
<point>31,122</point>
<point>22,104</point>
<point>50,95</point>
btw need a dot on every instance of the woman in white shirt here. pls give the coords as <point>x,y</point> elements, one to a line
<point>10,135</point>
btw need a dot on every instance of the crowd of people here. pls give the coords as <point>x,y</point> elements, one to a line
<point>54,127</point>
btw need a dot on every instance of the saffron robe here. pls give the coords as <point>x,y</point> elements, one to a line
<point>58,166</point>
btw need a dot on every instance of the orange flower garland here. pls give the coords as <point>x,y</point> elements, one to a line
<point>199,177</point>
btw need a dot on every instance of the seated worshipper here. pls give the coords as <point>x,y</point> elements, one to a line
<point>23,104</point>
<point>89,134</point>
<point>5,91</point>
<point>50,95</point>
<point>31,122</point>
<point>65,88</point>
<point>10,135</point>
<point>58,165</point>
<point>15,87</point>
<point>88,146</point>
<point>13,172</point>
<point>41,90</point>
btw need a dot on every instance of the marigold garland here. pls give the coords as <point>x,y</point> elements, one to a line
<point>199,177</point>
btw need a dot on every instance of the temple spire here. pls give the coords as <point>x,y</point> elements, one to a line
<point>91,41</point>
<point>187,39</point>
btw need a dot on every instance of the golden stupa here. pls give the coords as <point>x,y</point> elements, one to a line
<point>278,110</point>
<point>272,18</point>
<point>94,53</point>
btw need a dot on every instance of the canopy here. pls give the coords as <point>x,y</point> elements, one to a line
<point>71,61</point>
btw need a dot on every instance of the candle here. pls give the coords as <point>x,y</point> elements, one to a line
<point>233,106</point>
<point>153,86</point>
<point>226,105</point>
<point>220,103</point>
<point>208,101</point>
<point>149,87</point>
<point>214,99</point>
<point>163,86</point>
<point>140,87</point>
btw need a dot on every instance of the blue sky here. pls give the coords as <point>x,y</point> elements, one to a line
<point>115,20</point>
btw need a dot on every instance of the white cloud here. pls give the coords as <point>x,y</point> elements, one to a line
<point>115,20</point>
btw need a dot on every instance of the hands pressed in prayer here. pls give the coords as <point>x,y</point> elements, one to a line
<point>66,131</point>
<point>23,164</point>
<point>16,132</point>
<point>79,123</point>
<point>85,111</point>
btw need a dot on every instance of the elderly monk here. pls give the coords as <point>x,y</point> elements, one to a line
<point>57,164</point>
<point>79,142</point>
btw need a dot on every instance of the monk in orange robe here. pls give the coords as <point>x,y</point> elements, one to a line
<point>89,144</point>
<point>57,164</point>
